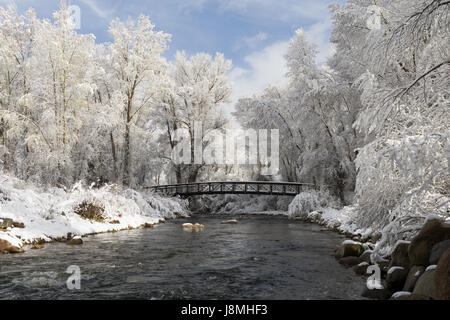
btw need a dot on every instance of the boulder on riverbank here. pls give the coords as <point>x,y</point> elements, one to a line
<point>75,241</point>
<point>349,248</point>
<point>361,269</point>
<point>400,257</point>
<point>411,296</point>
<point>7,247</point>
<point>425,285</point>
<point>396,277</point>
<point>438,250</point>
<point>366,256</point>
<point>442,277</point>
<point>414,274</point>
<point>349,261</point>
<point>377,294</point>
<point>4,245</point>
<point>433,232</point>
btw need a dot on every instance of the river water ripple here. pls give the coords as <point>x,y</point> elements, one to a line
<point>261,257</point>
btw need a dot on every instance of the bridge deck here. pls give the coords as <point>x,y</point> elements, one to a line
<point>232,187</point>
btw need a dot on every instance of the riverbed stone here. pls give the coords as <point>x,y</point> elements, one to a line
<point>349,250</point>
<point>4,246</point>
<point>399,257</point>
<point>438,250</point>
<point>349,261</point>
<point>412,296</point>
<point>75,241</point>
<point>378,294</point>
<point>442,277</point>
<point>414,274</point>
<point>361,269</point>
<point>425,285</point>
<point>366,256</point>
<point>396,277</point>
<point>433,232</point>
<point>229,222</point>
<point>14,250</point>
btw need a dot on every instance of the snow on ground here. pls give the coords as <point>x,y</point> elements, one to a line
<point>319,207</point>
<point>49,213</point>
<point>401,294</point>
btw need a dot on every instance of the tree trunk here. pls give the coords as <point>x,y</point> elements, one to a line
<point>113,150</point>
<point>126,161</point>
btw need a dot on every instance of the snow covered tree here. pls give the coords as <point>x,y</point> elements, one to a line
<point>17,34</point>
<point>401,68</point>
<point>136,68</point>
<point>193,94</point>
<point>313,116</point>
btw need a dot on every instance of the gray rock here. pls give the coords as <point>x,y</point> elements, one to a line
<point>442,277</point>
<point>433,232</point>
<point>399,257</point>
<point>425,285</point>
<point>75,241</point>
<point>349,250</point>
<point>396,278</point>
<point>349,261</point>
<point>414,274</point>
<point>438,250</point>
<point>378,294</point>
<point>365,257</point>
<point>412,297</point>
<point>361,269</point>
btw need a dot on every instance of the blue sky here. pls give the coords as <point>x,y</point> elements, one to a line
<point>254,34</point>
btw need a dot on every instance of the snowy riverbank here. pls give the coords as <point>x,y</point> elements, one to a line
<point>411,253</point>
<point>30,214</point>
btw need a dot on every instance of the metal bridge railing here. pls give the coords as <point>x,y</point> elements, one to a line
<point>232,187</point>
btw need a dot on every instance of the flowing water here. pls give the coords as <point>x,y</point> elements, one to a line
<point>261,257</point>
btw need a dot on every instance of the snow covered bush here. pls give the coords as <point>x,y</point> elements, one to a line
<point>407,177</point>
<point>232,203</point>
<point>309,201</point>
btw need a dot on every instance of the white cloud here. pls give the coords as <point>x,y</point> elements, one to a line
<point>251,42</point>
<point>268,66</point>
<point>319,35</point>
<point>265,67</point>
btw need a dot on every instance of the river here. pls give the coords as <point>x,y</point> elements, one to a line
<point>261,257</point>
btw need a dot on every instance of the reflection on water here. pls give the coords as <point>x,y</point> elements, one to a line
<point>261,257</point>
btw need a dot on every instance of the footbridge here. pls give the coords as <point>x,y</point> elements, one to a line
<point>232,187</point>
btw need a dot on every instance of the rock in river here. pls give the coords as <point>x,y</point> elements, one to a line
<point>229,222</point>
<point>75,241</point>
<point>349,249</point>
